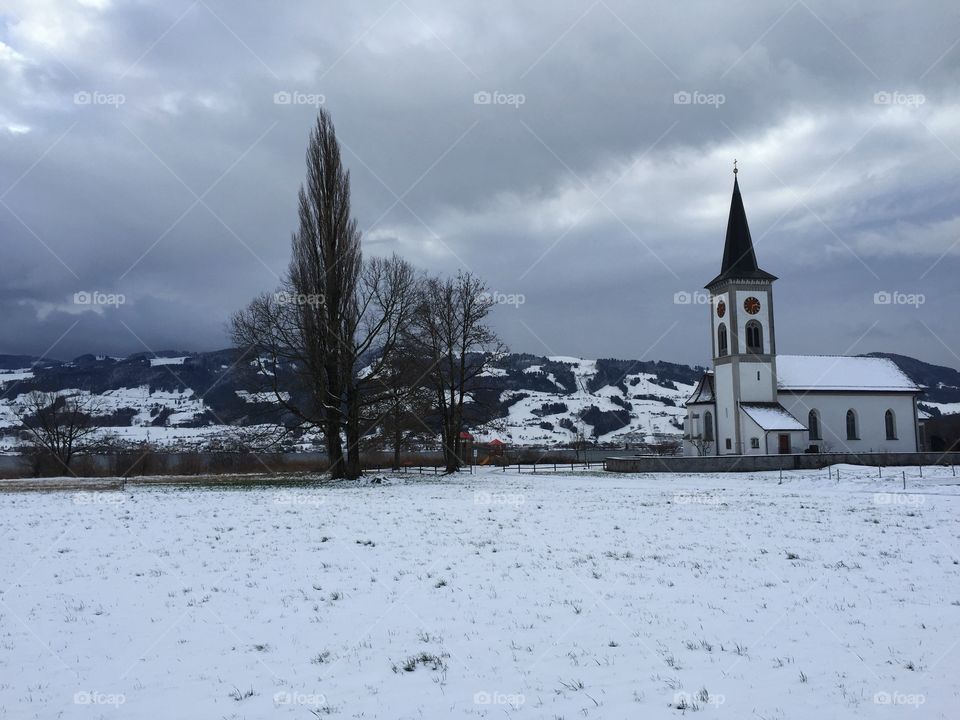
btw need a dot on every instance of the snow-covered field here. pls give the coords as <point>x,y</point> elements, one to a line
<point>492,595</point>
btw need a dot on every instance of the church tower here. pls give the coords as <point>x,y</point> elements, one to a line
<point>741,319</point>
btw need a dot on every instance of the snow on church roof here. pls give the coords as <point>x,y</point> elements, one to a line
<point>837,372</point>
<point>771,416</point>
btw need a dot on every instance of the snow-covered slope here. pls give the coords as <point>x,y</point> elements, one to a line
<point>636,406</point>
<point>190,400</point>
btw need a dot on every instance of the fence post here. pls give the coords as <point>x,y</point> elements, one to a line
<point>904,479</point>
<point>879,472</point>
<point>921,470</point>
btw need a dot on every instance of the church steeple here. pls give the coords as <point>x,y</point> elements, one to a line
<point>739,259</point>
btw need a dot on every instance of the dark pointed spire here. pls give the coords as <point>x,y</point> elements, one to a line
<point>739,259</point>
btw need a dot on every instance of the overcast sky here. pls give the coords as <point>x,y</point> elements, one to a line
<point>576,155</point>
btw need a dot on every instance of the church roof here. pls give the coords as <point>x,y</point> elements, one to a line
<point>739,259</point>
<point>771,416</point>
<point>705,392</point>
<point>841,373</point>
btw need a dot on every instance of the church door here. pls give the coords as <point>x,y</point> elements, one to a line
<point>784,444</point>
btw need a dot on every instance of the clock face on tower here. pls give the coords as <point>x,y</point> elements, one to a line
<point>751,305</point>
<point>721,309</point>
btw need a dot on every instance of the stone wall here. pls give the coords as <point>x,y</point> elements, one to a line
<point>756,463</point>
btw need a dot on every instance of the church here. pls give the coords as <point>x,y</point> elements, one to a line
<point>756,402</point>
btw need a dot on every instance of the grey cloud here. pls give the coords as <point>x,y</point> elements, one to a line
<point>847,192</point>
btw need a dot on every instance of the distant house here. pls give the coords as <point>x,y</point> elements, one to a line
<point>756,402</point>
<point>481,453</point>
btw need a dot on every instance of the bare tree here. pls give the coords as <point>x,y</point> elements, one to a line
<point>304,329</point>
<point>271,329</point>
<point>455,344</point>
<point>703,447</point>
<point>402,401</point>
<point>334,327</point>
<point>324,272</point>
<point>386,300</point>
<point>60,425</point>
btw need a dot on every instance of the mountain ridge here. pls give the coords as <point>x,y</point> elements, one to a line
<point>188,399</point>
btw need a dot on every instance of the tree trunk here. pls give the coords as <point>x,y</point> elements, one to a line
<point>397,438</point>
<point>353,469</point>
<point>451,447</point>
<point>334,444</point>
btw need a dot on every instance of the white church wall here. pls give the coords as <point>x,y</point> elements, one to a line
<point>726,417</point>
<point>870,409</point>
<point>757,441</point>
<point>694,428</point>
<point>691,429</point>
<point>750,432</point>
<point>798,441</point>
<point>756,381</point>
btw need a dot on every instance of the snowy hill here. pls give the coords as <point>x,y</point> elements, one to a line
<point>548,401</point>
<point>192,400</point>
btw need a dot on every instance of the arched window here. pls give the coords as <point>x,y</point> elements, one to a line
<point>708,426</point>
<point>852,425</point>
<point>813,424</point>
<point>722,340</point>
<point>890,422</point>
<point>754,332</point>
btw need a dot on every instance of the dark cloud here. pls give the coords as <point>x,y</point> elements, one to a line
<point>148,150</point>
